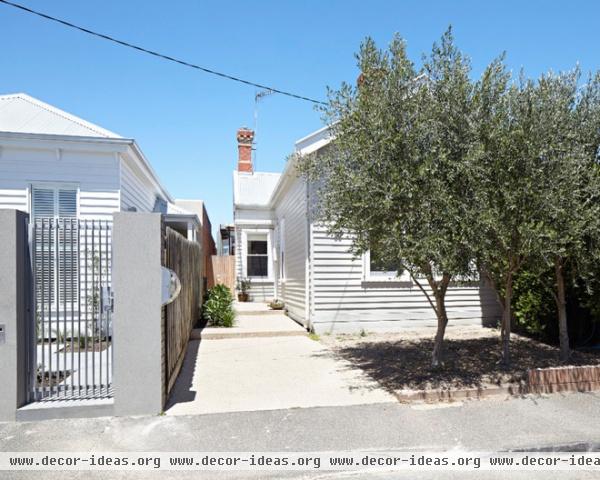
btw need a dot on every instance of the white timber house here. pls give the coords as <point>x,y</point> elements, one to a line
<point>54,164</point>
<point>287,255</point>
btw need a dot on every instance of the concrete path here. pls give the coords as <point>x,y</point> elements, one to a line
<point>248,374</point>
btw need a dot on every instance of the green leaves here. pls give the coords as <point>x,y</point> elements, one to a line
<point>395,174</point>
<point>218,307</point>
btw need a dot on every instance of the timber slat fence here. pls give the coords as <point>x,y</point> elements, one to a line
<point>184,257</point>
<point>223,271</point>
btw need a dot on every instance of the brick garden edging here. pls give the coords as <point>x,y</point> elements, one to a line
<point>564,379</point>
<point>539,380</point>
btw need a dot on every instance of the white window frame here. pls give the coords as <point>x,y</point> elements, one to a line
<point>281,256</point>
<point>55,186</point>
<point>383,277</point>
<point>244,252</point>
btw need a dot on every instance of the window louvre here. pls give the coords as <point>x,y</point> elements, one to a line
<point>43,202</point>
<point>56,266</point>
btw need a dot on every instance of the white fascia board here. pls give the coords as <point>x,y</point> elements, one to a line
<point>178,217</point>
<point>67,142</point>
<point>253,223</point>
<point>313,137</point>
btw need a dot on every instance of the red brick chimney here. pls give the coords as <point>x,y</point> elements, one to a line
<point>245,136</point>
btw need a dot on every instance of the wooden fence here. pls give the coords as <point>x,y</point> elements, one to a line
<point>223,271</point>
<point>185,259</point>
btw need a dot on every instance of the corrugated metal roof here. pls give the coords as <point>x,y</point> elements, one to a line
<point>254,188</point>
<point>20,113</point>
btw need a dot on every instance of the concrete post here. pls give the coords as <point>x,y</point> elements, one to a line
<point>15,311</point>
<point>138,379</point>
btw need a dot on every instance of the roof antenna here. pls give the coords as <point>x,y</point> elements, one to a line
<point>257,98</point>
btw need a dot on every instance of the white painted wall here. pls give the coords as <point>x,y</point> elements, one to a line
<point>344,301</point>
<point>95,173</point>
<point>291,212</point>
<point>108,179</point>
<point>136,191</point>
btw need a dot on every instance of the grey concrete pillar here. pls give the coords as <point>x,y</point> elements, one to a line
<point>15,320</point>
<point>137,324</point>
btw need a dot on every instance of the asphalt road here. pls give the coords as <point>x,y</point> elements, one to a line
<point>561,422</point>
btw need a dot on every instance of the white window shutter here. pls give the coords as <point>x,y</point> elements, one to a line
<point>67,202</point>
<point>43,202</point>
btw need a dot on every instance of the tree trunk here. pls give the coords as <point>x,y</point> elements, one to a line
<point>561,305</point>
<point>437,356</point>
<point>506,320</point>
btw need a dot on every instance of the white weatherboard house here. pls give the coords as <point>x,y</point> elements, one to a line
<point>287,255</point>
<point>54,164</point>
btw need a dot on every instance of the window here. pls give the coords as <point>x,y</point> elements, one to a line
<point>282,248</point>
<point>56,255</point>
<point>381,268</point>
<point>53,202</point>
<point>258,256</point>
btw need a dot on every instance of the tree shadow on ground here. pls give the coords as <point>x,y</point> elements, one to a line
<point>473,362</point>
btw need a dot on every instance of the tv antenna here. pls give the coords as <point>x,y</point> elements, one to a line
<point>257,98</point>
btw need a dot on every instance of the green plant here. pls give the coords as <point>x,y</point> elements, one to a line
<point>276,304</point>
<point>218,307</point>
<point>314,336</point>
<point>243,285</point>
<point>363,332</point>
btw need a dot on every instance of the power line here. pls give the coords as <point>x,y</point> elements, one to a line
<point>160,55</point>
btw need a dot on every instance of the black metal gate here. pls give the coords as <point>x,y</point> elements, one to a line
<point>72,341</point>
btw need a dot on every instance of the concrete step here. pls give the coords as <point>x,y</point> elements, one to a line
<point>55,409</point>
<point>218,333</point>
<point>258,312</point>
<point>254,308</point>
<point>247,326</point>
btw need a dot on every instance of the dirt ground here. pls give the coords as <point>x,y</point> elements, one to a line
<point>471,358</point>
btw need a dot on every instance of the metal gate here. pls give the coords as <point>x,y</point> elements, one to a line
<point>72,342</point>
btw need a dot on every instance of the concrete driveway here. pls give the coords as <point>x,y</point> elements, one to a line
<point>268,373</point>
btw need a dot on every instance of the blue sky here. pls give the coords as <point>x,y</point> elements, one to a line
<point>185,121</point>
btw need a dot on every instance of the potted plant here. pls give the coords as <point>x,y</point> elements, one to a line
<point>276,304</point>
<point>243,285</point>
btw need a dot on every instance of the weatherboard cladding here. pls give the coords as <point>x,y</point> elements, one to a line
<point>291,208</point>
<point>107,180</point>
<point>343,301</point>
<point>96,175</point>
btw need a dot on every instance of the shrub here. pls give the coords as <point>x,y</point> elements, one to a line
<point>218,307</point>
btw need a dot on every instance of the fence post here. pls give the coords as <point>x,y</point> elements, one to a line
<point>138,367</point>
<point>15,310</point>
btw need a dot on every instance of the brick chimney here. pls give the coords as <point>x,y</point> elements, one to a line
<point>245,137</point>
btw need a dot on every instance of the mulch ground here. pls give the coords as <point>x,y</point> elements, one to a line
<point>400,362</point>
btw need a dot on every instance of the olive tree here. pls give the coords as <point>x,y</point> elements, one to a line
<point>566,139</point>
<point>507,184</point>
<point>395,176</point>
<point>536,183</point>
